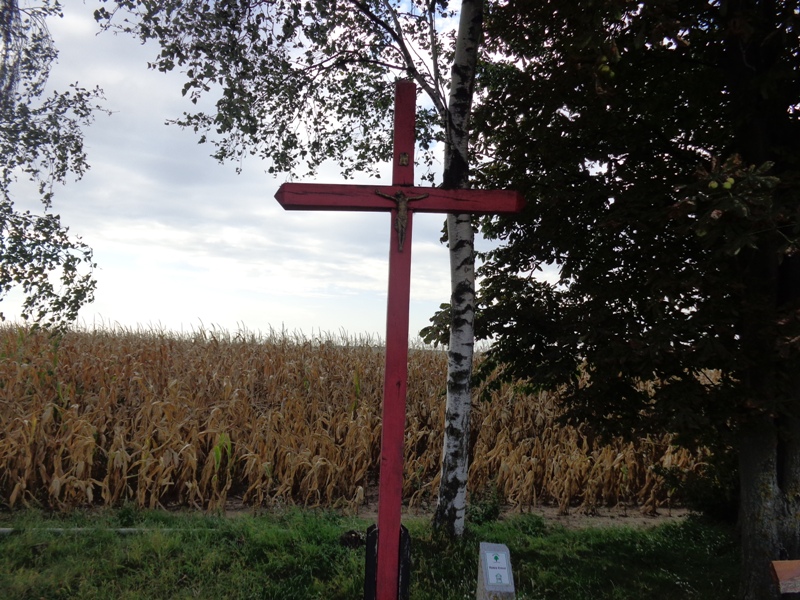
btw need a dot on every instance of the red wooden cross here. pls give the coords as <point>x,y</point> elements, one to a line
<point>403,200</point>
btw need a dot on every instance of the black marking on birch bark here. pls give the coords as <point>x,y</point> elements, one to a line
<point>459,389</point>
<point>459,380</point>
<point>459,370</point>
<point>461,322</point>
<point>462,313</point>
<point>454,179</point>
<point>460,373</point>
<point>466,263</point>
<point>457,357</point>
<point>461,359</point>
<point>463,309</point>
<point>456,172</point>
<point>465,323</point>
<point>461,300</point>
<point>455,433</point>
<point>446,512</point>
<point>459,244</point>
<point>460,363</point>
<point>461,291</point>
<point>451,414</point>
<point>464,287</point>
<point>460,97</point>
<point>458,386</point>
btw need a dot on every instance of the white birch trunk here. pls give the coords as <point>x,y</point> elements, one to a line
<point>451,508</point>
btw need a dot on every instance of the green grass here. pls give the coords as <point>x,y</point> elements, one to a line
<point>298,555</point>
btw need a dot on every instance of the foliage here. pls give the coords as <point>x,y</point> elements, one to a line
<point>619,121</point>
<point>711,489</point>
<point>40,141</point>
<point>484,506</point>
<point>301,554</point>
<point>659,144</point>
<point>296,83</point>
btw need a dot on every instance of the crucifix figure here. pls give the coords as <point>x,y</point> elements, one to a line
<point>402,200</point>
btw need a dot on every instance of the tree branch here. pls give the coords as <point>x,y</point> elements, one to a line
<point>437,75</point>
<point>343,58</point>
<point>404,51</point>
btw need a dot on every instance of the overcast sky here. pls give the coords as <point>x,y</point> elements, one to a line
<point>183,242</point>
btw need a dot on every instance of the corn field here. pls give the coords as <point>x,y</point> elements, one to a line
<point>105,417</point>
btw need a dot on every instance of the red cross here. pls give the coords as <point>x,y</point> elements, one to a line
<point>403,200</point>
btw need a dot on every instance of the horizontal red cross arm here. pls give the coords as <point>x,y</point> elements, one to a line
<point>322,196</point>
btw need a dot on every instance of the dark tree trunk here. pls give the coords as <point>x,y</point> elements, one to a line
<point>789,466</point>
<point>759,507</point>
<point>789,432</point>
<point>769,440</point>
<point>769,517</point>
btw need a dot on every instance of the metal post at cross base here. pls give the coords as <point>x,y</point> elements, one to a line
<point>402,200</point>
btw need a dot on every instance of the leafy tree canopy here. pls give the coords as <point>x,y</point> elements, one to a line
<point>659,146</point>
<point>297,83</point>
<point>41,141</point>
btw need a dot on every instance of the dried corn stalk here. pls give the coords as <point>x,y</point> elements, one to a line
<point>143,416</point>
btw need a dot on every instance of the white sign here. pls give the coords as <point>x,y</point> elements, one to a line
<point>497,565</point>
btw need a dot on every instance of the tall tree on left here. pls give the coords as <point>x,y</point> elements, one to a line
<point>41,141</point>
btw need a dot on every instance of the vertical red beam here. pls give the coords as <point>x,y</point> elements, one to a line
<point>390,489</point>
<point>405,108</point>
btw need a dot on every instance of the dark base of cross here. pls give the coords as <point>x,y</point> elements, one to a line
<point>402,200</point>
<point>371,565</point>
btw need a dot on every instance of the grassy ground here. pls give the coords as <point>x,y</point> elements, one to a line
<point>301,555</point>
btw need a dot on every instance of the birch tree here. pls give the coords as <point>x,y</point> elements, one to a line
<point>451,509</point>
<point>298,84</point>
